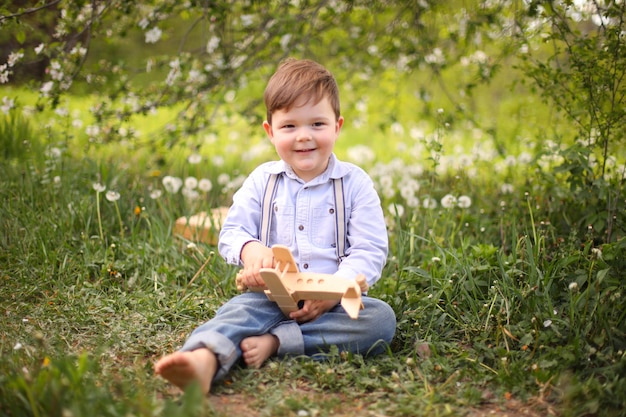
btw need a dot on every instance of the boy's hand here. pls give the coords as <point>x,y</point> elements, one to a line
<point>312,309</point>
<point>255,256</point>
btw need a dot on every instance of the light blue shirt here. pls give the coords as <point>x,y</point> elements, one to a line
<point>303,219</point>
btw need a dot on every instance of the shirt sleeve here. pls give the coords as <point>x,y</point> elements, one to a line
<point>242,223</point>
<point>368,243</point>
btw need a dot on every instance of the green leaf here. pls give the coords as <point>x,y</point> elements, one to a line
<point>20,36</point>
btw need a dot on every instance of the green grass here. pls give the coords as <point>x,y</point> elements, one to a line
<point>500,305</point>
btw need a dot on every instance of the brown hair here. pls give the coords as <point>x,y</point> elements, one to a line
<point>297,78</point>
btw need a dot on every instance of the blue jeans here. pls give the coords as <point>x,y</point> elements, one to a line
<point>252,314</point>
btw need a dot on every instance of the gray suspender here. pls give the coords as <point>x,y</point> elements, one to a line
<point>340,219</point>
<point>340,214</point>
<point>266,208</point>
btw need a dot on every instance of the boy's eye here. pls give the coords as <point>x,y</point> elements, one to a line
<point>287,126</point>
<point>318,124</point>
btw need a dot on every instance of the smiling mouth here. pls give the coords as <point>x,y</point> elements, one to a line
<point>305,150</point>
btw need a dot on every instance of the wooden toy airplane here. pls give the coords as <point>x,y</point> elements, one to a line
<point>286,286</point>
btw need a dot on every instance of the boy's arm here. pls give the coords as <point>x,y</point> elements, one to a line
<point>242,223</point>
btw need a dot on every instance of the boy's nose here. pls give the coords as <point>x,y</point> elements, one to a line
<point>304,134</point>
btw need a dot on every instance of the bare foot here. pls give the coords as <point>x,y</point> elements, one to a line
<point>257,349</point>
<point>183,368</point>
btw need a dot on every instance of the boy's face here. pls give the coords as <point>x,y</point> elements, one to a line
<point>305,135</point>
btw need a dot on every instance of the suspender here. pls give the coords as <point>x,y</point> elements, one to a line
<point>340,214</point>
<point>266,208</point>
<point>340,219</point>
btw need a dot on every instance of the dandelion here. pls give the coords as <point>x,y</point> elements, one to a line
<point>172,184</point>
<point>18,346</point>
<point>361,154</point>
<point>464,201</point>
<point>396,209</point>
<point>99,188</point>
<point>435,259</point>
<point>547,323</point>
<point>205,185</point>
<point>191,183</point>
<point>506,188</point>
<point>7,104</point>
<point>223,179</point>
<point>194,158</point>
<point>155,194</point>
<point>448,201</point>
<point>217,160</point>
<point>190,193</point>
<point>113,196</point>
<point>573,286</point>
<point>429,203</point>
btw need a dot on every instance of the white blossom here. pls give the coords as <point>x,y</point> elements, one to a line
<point>14,57</point>
<point>46,88</point>
<point>153,35</point>
<point>212,44</point>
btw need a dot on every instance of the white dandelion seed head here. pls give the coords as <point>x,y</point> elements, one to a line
<point>172,184</point>
<point>464,201</point>
<point>99,187</point>
<point>429,203</point>
<point>448,201</point>
<point>112,195</point>
<point>191,183</point>
<point>396,209</point>
<point>194,158</point>
<point>205,185</point>
<point>190,194</point>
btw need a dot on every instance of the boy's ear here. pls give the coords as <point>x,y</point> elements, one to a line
<point>268,129</point>
<point>338,125</point>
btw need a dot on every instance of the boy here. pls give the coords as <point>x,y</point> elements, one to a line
<point>303,123</point>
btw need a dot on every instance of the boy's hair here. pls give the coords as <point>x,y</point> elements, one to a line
<point>296,78</point>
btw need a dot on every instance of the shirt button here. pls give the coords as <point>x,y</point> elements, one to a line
<point>275,208</point>
<point>305,266</point>
<point>300,227</point>
<point>331,211</point>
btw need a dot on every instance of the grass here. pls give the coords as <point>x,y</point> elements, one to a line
<point>500,308</point>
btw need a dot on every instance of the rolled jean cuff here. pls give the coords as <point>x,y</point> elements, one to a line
<point>291,341</point>
<point>225,351</point>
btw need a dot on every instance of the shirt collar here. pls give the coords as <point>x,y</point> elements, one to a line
<point>335,169</point>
